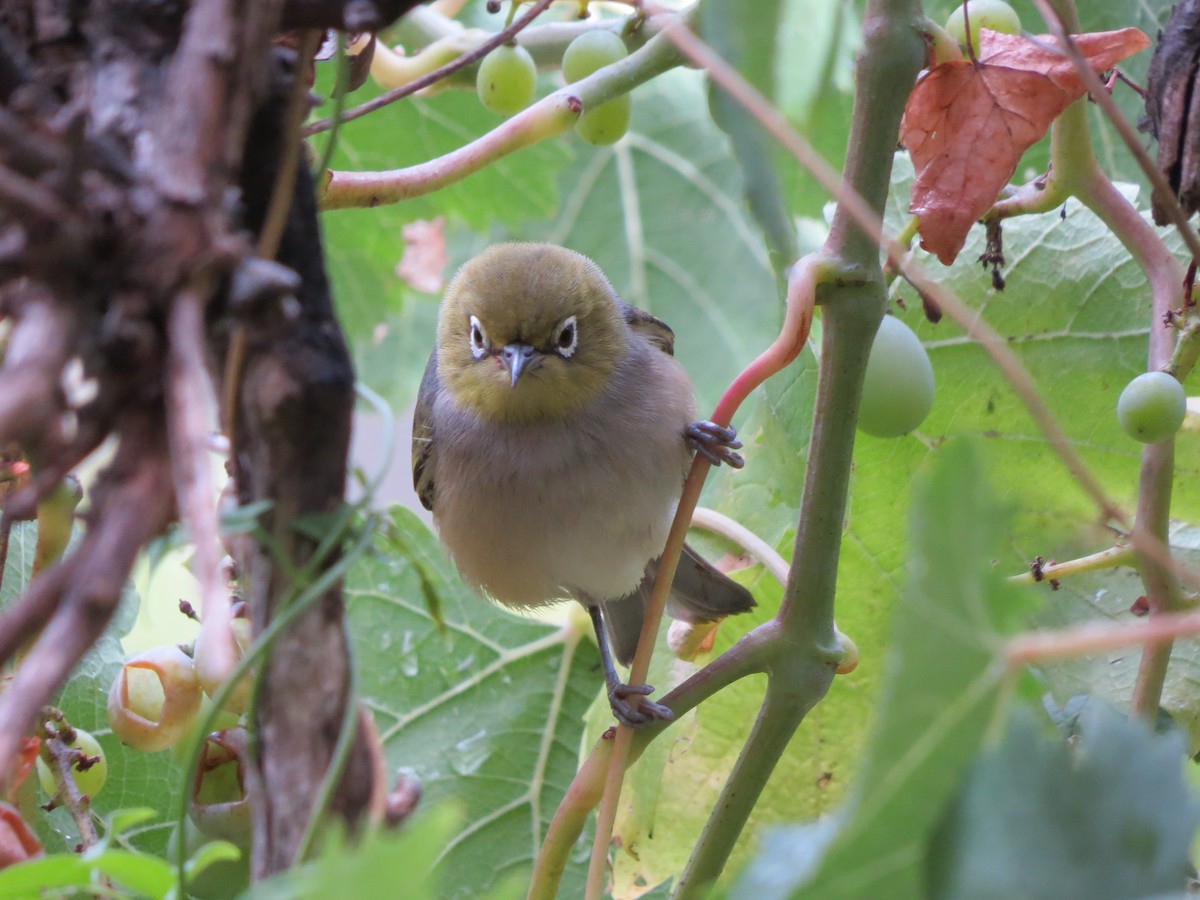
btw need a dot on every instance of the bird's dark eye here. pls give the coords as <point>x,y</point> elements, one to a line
<point>479,339</point>
<point>568,337</point>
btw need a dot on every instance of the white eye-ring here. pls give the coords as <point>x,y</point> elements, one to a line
<point>479,339</point>
<point>568,338</point>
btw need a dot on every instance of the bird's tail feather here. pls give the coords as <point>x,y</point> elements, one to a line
<point>700,593</point>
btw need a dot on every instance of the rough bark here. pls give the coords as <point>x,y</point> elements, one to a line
<point>140,141</point>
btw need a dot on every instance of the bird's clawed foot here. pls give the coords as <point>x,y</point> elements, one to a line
<point>636,716</point>
<point>715,442</point>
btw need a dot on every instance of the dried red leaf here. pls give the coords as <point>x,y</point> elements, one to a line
<point>424,262</point>
<point>967,123</point>
<point>17,840</point>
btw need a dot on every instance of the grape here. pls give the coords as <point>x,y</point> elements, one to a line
<point>1152,407</point>
<point>898,388</point>
<point>218,804</point>
<point>90,780</point>
<point>994,14</point>
<point>590,51</point>
<point>942,47</point>
<point>605,124</point>
<point>507,79</point>
<point>154,699</point>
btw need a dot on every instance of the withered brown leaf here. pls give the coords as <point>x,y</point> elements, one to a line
<point>967,123</point>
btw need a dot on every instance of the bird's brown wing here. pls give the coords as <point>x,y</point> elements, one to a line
<point>423,444</point>
<point>656,331</point>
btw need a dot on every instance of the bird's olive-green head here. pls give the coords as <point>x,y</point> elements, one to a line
<point>529,332</point>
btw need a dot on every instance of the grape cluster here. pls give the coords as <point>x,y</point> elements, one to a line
<point>507,82</point>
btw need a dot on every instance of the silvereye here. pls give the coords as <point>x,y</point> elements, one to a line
<point>552,434</point>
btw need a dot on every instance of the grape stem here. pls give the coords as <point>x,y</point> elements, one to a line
<point>61,759</point>
<point>1111,558</point>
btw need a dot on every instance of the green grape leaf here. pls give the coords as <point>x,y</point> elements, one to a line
<point>141,874</point>
<point>486,711</point>
<point>1110,595</point>
<point>1082,330</point>
<point>942,689</point>
<point>385,863</point>
<point>1040,818</point>
<point>740,40</point>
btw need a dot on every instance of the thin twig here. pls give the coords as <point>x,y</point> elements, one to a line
<point>62,760</point>
<point>1094,637</point>
<point>190,396</point>
<point>31,197</point>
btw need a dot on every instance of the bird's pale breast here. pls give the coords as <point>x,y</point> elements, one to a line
<point>572,508</point>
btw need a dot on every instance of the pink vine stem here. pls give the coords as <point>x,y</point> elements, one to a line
<point>797,323</point>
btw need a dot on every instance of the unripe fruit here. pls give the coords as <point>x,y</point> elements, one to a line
<point>992,14</point>
<point>943,47</point>
<point>507,79</point>
<point>898,387</point>
<point>154,699</point>
<point>590,51</point>
<point>1152,407</point>
<point>218,804</point>
<point>607,123</point>
<point>88,781</point>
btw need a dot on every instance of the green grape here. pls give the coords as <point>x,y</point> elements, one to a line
<point>1152,407</point>
<point>218,805</point>
<point>590,51</point>
<point>942,47</point>
<point>992,14</point>
<point>606,123</point>
<point>90,780</point>
<point>507,79</point>
<point>898,388</point>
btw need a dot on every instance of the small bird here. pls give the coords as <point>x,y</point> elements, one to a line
<point>552,435</point>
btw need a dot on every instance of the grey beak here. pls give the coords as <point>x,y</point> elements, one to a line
<point>516,357</point>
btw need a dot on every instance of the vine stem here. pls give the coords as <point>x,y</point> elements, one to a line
<point>797,324</point>
<point>549,117</point>
<point>1109,558</point>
